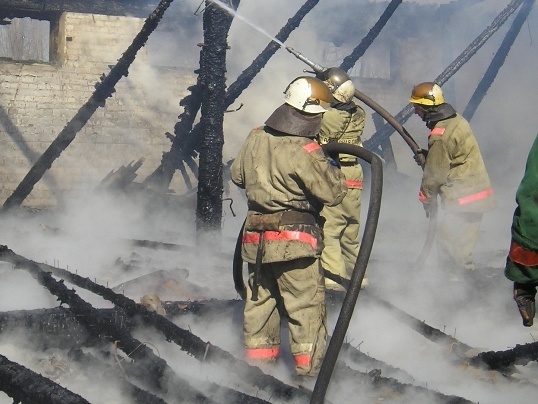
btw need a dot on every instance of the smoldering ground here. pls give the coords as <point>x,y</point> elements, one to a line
<point>92,235</point>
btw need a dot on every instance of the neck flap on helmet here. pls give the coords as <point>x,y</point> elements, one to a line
<point>291,121</point>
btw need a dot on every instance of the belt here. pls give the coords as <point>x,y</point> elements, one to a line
<point>348,163</point>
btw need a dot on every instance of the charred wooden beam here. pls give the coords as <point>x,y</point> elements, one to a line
<point>51,328</point>
<point>24,385</point>
<point>138,8</point>
<point>392,387</point>
<point>498,60</point>
<point>350,60</point>
<point>247,75</point>
<point>433,334</point>
<point>384,133</point>
<point>186,139</point>
<point>158,373</point>
<point>192,344</point>
<point>103,90</point>
<point>158,245</point>
<point>505,360</point>
<point>114,374</point>
<point>122,177</point>
<point>217,22</point>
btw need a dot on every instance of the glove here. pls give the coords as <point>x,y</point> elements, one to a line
<point>524,295</point>
<point>420,156</point>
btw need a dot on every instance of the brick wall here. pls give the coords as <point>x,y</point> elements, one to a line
<point>38,100</point>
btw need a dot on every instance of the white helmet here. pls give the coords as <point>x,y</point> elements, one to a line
<point>308,94</point>
<point>339,83</point>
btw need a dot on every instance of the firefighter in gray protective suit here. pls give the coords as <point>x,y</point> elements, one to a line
<point>454,171</point>
<point>287,178</point>
<point>343,123</point>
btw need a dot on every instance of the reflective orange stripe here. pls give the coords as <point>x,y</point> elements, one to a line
<point>310,147</point>
<point>353,184</point>
<point>523,256</point>
<point>263,353</point>
<point>422,197</point>
<point>286,235</point>
<point>302,360</point>
<point>475,197</point>
<point>437,131</point>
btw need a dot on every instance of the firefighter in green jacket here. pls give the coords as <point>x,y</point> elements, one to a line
<point>454,171</point>
<point>343,123</point>
<point>522,260</point>
<point>287,178</point>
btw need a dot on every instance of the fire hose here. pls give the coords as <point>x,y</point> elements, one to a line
<point>354,285</point>
<point>359,270</point>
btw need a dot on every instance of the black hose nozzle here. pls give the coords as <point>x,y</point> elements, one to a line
<point>318,69</point>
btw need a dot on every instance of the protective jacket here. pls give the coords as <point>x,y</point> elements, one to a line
<point>343,123</point>
<point>287,180</point>
<point>522,266</point>
<point>455,169</point>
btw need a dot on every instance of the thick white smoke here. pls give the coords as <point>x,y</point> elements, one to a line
<point>93,235</point>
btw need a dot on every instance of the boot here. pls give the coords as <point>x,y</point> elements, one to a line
<point>524,295</point>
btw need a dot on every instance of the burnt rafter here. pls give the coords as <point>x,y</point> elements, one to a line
<point>103,90</point>
<point>386,131</point>
<point>498,60</point>
<point>188,342</point>
<point>186,138</point>
<point>217,22</point>
<point>350,60</point>
<point>137,8</point>
<point>158,373</point>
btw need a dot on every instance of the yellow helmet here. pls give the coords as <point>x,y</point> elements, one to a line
<point>428,93</point>
<point>308,94</point>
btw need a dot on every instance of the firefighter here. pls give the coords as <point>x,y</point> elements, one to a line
<point>343,123</point>
<point>454,171</point>
<point>522,261</point>
<point>287,178</point>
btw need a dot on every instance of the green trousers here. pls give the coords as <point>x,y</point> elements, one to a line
<point>294,289</point>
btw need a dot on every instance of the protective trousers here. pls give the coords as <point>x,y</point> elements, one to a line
<point>456,239</point>
<point>341,229</point>
<point>296,289</point>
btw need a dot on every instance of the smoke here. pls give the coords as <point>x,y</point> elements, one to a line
<point>93,233</point>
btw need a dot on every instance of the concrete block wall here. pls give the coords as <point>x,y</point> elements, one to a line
<point>38,100</point>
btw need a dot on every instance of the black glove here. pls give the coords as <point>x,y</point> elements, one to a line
<point>524,295</point>
<point>420,156</point>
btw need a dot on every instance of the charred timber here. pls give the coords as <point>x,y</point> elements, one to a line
<point>89,361</point>
<point>350,60</point>
<point>24,385</point>
<point>505,360</point>
<point>103,90</point>
<point>192,344</point>
<point>384,133</point>
<point>158,245</point>
<point>186,139</point>
<point>247,75</point>
<point>137,8</point>
<point>52,328</point>
<point>216,23</point>
<point>431,333</point>
<point>158,373</point>
<point>380,383</point>
<point>498,60</point>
